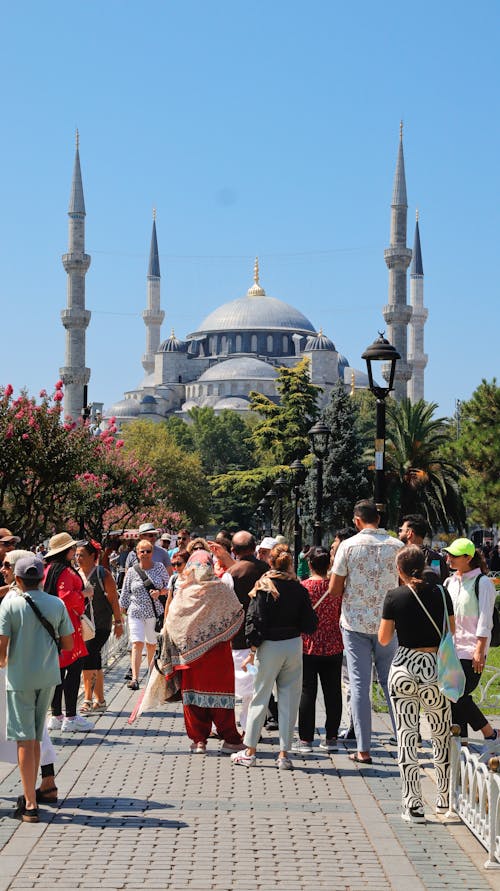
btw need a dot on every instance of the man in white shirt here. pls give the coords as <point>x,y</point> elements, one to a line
<point>363,571</point>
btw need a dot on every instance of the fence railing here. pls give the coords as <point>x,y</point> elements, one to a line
<point>475,795</point>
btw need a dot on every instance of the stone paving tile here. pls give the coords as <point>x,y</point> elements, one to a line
<point>141,813</point>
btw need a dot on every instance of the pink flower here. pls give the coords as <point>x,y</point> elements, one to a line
<point>9,433</point>
<point>119,443</point>
<point>43,394</point>
<point>59,385</point>
<point>20,414</point>
<point>58,396</point>
<point>9,389</point>
<point>25,436</point>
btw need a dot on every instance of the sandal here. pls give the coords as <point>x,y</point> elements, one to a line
<point>86,707</point>
<point>46,796</point>
<point>99,706</point>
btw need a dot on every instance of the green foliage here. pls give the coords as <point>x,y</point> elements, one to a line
<point>478,450</point>
<point>178,475</point>
<point>421,478</point>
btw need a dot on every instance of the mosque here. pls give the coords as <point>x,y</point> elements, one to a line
<point>240,346</point>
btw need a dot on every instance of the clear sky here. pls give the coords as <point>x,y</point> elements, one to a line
<point>266,128</point>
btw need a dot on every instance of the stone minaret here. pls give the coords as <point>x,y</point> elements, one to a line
<point>75,317</point>
<point>153,316</point>
<point>416,356</point>
<point>397,313</point>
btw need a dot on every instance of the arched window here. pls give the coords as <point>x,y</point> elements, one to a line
<point>269,343</point>
<point>239,342</point>
<point>253,343</point>
<point>285,345</point>
<point>210,345</point>
<point>223,344</point>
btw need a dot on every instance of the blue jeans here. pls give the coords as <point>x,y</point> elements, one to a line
<point>360,650</point>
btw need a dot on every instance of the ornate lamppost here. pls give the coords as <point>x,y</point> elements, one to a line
<point>263,509</point>
<point>319,435</point>
<point>279,488</point>
<point>380,351</point>
<point>299,475</point>
<point>269,499</point>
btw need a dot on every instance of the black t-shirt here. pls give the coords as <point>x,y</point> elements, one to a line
<point>413,627</point>
<point>289,616</point>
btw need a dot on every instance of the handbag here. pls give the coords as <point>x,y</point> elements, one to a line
<point>87,624</point>
<point>148,585</point>
<point>451,677</point>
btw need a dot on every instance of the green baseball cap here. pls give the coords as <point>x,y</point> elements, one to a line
<point>461,547</point>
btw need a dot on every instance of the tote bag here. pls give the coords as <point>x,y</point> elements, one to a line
<point>451,677</point>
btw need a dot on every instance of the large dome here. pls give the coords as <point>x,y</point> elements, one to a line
<point>255,312</point>
<point>241,369</point>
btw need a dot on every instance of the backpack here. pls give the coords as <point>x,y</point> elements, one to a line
<point>495,631</point>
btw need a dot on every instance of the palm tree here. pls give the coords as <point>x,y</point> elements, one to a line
<point>420,476</point>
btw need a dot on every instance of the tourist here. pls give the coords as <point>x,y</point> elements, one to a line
<point>148,532</point>
<point>8,541</point>
<point>364,570</point>
<point>179,561</point>
<point>63,581</point>
<point>473,596</point>
<point>106,614</point>
<point>321,657</point>
<point>265,547</point>
<point>413,676</point>
<point>279,613</point>
<point>30,681</point>
<point>413,530</point>
<point>144,583</point>
<point>203,617</point>
<point>183,539</point>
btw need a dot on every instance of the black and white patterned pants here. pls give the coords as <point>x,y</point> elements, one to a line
<point>413,684</point>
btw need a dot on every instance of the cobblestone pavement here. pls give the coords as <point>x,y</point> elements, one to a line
<point>137,811</point>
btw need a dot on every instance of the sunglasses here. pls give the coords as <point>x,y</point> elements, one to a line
<point>146,551</point>
<point>6,565</point>
<point>176,565</point>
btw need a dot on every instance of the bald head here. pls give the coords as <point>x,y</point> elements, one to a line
<point>243,543</point>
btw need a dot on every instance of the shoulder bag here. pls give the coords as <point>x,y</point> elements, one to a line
<point>149,586</point>
<point>451,677</point>
<point>87,623</point>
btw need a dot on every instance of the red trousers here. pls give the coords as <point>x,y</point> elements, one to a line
<point>199,720</point>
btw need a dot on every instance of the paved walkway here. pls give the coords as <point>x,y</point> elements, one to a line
<point>138,812</point>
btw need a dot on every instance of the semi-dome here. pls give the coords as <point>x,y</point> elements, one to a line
<point>255,312</point>
<point>172,345</point>
<point>233,403</point>
<point>148,400</point>
<point>126,408</point>
<point>319,342</point>
<point>240,368</point>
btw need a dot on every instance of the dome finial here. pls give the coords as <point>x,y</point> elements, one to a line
<point>77,139</point>
<point>401,130</point>
<point>416,215</point>
<point>256,290</point>
<point>154,214</point>
<point>172,333</point>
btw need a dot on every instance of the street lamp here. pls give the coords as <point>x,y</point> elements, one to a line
<point>299,475</point>
<point>380,351</point>
<point>270,496</point>
<point>263,507</point>
<point>279,487</point>
<point>319,435</point>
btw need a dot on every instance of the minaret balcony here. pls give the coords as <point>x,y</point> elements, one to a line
<point>418,360</point>
<point>403,371</point>
<point>397,256</point>
<point>72,375</point>
<point>75,318</point>
<point>397,313</point>
<point>153,316</point>
<point>76,262</point>
<point>419,314</point>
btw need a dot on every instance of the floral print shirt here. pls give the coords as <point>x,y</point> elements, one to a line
<point>136,599</point>
<point>368,562</point>
<point>327,639</point>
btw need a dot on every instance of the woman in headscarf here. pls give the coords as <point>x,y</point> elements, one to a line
<point>204,616</point>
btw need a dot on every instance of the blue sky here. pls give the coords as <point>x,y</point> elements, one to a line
<point>268,128</point>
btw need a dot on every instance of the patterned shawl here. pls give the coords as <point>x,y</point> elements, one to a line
<point>265,583</point>
<point>201,616</point>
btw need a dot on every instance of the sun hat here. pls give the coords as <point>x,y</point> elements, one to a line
<point>6,535</point>
<point>29,568</point>
<point>60,542</point>
<point>280,539</point>
<point>461,547</point>
<point>267,543</point>
<point>144,528</point>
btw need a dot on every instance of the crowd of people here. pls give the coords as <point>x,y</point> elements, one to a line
<point>229,621</point>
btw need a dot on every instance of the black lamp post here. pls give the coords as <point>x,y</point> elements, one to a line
<point>299,475</point>
<point>319,435</point>
<point>263,506</point>
<point>380,351</point>
<point>279,488</point>
<point>270,496</point>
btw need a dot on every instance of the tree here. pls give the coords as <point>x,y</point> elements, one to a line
<point>344,479</point>
<point>478,450</point>
<point>421,478</point>
<point>181,484</point>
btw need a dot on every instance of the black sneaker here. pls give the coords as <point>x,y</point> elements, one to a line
<point>128,675</point>
<point>133,685</point>
<point>271,724</point>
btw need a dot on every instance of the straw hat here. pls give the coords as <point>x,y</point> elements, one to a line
<point>60,542</point>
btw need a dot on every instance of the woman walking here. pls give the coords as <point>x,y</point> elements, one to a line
<point>144,583</point>
<point>63,581</point>
<point>473,597</point>
<point>106,612</point>
<point>321,657</point>
<point>416,612</point>
<point>279,613</point>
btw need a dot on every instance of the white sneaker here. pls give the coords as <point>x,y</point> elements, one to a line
<point>303,746</point>
<point>413,815</point>
<point>55,722</point>
<point>73,725</point>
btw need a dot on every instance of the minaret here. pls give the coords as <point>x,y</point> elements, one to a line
<point>397,313</point>
<point>75,317</point>
<point>153,316</point>
<point>416,356</point>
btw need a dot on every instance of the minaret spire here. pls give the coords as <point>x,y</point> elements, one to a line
<point>153,315</point>
<point>256,290</point>
<point>75,317</point>
<point>397,256</point>
<point>416,356</point>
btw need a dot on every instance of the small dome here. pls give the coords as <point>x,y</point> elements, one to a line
<point>343,363</point>
<point>319,342</point>
<point>234,403</point>
<point>241,368</point>
<point>172,345</point>
<point>126,408</point>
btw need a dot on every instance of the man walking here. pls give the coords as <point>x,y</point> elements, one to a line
<point>30,653</point>
<point>363,571</point>
<point>413,530</point>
